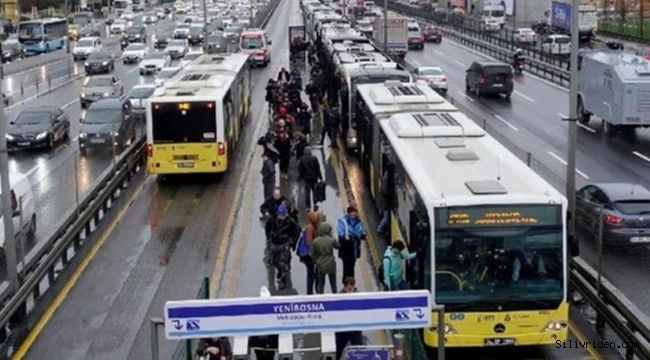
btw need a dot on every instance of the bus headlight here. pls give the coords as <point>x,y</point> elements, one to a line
<point>555,326</point>
<point>448,329</point>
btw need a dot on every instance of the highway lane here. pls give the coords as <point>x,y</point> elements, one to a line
<point>166,242</point>
<point>531,123</point>
<point>52,173</point>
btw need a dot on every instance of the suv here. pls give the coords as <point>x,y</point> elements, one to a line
<point>107,124</point>
<point>485,77</point>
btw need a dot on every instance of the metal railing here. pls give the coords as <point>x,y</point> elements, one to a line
<point>49,262</point>
<point>501,45</point>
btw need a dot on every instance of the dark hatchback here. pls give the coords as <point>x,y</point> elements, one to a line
<point>99,62</point>
<point>136,34</point>
<point>40,127</point>
<point>195,37</point>
<point>625,210</point>
<point>161,39</point>
<point>489,78</point>
<point>108,125</point>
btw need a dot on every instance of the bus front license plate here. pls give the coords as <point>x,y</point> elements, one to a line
<point>185,165</point>
<point>499,342</point>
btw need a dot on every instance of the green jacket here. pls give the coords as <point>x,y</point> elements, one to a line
<point>322,251</point>
<point>393,266</point>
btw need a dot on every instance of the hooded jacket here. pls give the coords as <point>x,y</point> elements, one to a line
<point>393,266</point>
<point>282,233</point>
<point>308,167</point>
<point>322,252</point>
<point>314,220</point>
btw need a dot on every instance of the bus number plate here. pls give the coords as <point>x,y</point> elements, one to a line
<point>499,342</point>
<point>185,165</point>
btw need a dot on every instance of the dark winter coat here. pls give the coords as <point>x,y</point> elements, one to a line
<point>308,167</point>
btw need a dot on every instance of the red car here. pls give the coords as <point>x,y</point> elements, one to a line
<point>433,34</point>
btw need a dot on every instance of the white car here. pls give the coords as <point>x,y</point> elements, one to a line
<point>160,14</point>
<point>524,36</point>
<point>118,26</point>
<point>127,16</point>
<point>166,74</point>
<point>85,47</point>
<point>134,53</point>
<point>433,76</point>
<point>557,44</point>
<point>176,48</point>
<point>154,62</point>
<point>182,31</point>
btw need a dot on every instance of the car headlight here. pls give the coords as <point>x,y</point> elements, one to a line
<point>108,93</point>
<point>41,136</point>
<point>86,64</point>
<point>9,137</point>
<point>105,63</point>
<point>82,135</point>
<point>83,94</point>
<point>114,133</point>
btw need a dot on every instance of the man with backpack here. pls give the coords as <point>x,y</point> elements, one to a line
<point>282,233</point>
<point>392,265</point>
<point>350,232</point>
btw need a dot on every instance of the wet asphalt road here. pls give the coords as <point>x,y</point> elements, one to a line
<point>531,123</point>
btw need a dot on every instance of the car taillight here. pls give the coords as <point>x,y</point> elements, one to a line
<point>443,79</point>
<point>221,149</point>
<point>149,150</point>
<point>481,80</point>
<point>509,78</point>
<point>613,219</point>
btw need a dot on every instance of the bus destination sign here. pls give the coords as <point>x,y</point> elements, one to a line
<point>490,216</point>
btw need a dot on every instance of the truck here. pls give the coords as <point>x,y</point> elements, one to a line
<point>559,18</point>
<point>397,34</point>
<point>614,87</point>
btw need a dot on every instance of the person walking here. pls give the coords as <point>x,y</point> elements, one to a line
<point>350,232</point>
<point>354,338</point>
<point>270,206</point>
<point>393,263</point>
<point>281,236</point>
<point>268,176</point>
<point>314,219</point>
<point>283,144</point>
<point>216,348</point>
<point>283,75</point>
<point>331,123</point>
<point>322,252</point>
<point>309,172</point>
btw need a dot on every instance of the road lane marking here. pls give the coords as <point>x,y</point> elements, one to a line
<point>466,96</point>
<point>461,64</point>
<point>558,158</point>
<point>582,338</point>
<point>220,262</point>
<point>133,70</point>
<point>69,103</point>
<point>524,96</point>
<point>437,51</point>
<point>74,278</point>
<point>646,158</point>
<point>415,62</point>
<point>586,127</point>
<point>498,117</point>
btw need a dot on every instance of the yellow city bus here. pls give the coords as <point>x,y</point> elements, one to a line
<point>195,120</point>
<point>489,232</point>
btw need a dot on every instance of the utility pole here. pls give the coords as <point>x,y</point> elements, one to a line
<point>7,209</point>
<point>205,26</point>
<point>386,26</point>
<point>573,117</point>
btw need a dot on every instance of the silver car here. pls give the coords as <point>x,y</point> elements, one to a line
<point>99,87</point>
<point>177,48</point>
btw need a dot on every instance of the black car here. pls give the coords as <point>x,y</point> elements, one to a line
<point>88,31</point>
<point>136,34</point>
<point>485,77</point>
<point>216,44</point>
<point>99,62</point>
<point>107,124</point>
<point>40,127</point>
<point>161,39</point>
<point>195,37</point>
<point>11,50</point>
<point>625,211</point>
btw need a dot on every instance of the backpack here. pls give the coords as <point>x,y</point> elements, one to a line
<point>302,249</point>
<point>380,271</point>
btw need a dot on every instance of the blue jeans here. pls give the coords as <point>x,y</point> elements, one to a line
<point>383,222</point>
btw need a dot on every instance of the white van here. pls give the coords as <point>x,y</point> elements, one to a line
<point>493,17</point>
<point>557,45</point>
<point>23,207</point>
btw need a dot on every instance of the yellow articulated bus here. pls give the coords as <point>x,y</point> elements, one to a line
<point>489,232</point>
<point>196,118</point>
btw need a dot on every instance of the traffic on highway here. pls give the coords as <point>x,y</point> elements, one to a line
<point>383,154</point>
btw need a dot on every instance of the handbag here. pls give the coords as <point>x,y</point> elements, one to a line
<point>302,249</point>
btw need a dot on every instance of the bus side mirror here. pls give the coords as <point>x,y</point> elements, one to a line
<point>574,246</point>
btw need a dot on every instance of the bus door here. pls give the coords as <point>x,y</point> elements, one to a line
<point>416,269</point>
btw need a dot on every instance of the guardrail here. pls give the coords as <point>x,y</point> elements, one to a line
<point>47,263</point>
<point>28,63</point>
<point>551,67</point>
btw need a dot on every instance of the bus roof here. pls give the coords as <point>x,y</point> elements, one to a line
<point>43,21</point>
<point>393,97</point>
<point>451,161</point>
<point>209,76</point>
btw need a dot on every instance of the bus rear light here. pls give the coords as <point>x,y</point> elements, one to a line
<point>221,148</point>
<point>149,150</point>
<point>210,105</point>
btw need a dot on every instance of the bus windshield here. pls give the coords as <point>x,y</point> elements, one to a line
<point>188,122</point>
<point>499,257</point>
<point>33,31</point>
